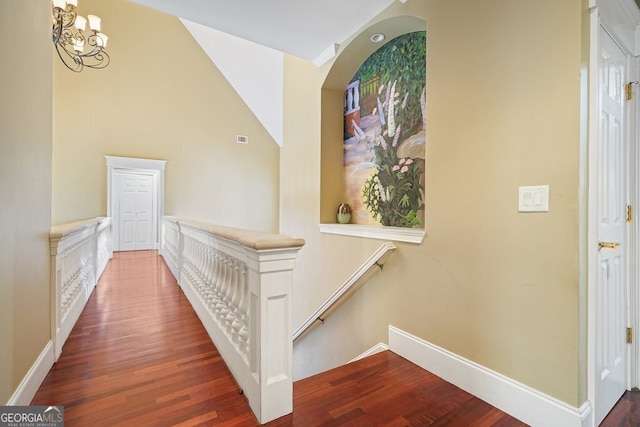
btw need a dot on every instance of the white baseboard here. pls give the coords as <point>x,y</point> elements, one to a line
<point>33,380</point>
<point>378,348</point>
<point>518,400</point>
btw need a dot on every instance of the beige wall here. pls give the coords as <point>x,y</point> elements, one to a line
<point>25,187</point>
<point>492,285</point>
<point>161,98</point>
<point>488,283</point>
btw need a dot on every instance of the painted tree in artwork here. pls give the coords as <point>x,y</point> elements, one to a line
<point>392,192</point>
<point>403,61</point>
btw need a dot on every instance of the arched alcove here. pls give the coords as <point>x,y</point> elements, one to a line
<point>332,123</point>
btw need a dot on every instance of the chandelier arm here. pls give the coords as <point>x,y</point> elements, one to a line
<point>98,56</point>
<point>96,47</point>
<point>103,60</point>
<point>70,44</point>
<point>96,61</point>
<point>68,58</point>
<point>68,17</point>
<point>57,24</point>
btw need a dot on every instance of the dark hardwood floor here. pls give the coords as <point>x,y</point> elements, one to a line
<point>626,413</point>
<point>387,390</point>
<point>139,356</point>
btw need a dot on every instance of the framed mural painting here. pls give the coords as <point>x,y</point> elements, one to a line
<point>385,135</point>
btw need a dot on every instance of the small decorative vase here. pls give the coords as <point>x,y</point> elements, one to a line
<point>344,213</point>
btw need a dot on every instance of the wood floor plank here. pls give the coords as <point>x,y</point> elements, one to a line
<point>139,356</point>
<point>626,413</point>
<point>386,390</point>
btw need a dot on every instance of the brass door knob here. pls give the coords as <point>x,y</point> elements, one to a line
<point>608,245</point>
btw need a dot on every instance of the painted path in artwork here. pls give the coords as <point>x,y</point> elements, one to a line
<point>358,163</point>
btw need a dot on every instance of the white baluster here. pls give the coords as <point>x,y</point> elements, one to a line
<point>234,297</point>
<point>231,290</point>
<point>353,97</point>
<point>243,336</point>
<point>202,261</point>
<point>208,271</point>
<point>201,281</point>
<point>195,261</point>
<point>211,274</point>
<point>189,251</point>
<point>63,279</point>
<point>232,283</point>
<point>212,300</point>
<point>224,285</point>
<point>356,96</point>
<point>184,268</point>
<point>243,301</point>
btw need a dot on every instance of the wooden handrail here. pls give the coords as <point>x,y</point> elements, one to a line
<point>374,262</point>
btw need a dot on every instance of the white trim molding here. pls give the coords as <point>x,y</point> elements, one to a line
<point>134,165</point>
<point>621,18</point>
<point>378,348</point>
<point>326,55</point>
<point>516,399</point>
<point>592,201</point>
<point>35,377</point>
<point>634,238</point>
<point>397,234</point>
<point>130,163</point>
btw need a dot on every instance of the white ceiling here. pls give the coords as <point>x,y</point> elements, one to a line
<point>304,28</point>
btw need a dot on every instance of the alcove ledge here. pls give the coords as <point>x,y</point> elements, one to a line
<point>398,234</point>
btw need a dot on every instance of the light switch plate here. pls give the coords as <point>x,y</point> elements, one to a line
<point>533,198</point>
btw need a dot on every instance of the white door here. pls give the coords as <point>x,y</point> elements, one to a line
<point>611,309</point>
<point>135,211</point>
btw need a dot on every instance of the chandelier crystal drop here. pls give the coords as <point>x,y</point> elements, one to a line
<point>76,48</point>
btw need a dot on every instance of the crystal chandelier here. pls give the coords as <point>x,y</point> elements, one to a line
<point>76,49</point>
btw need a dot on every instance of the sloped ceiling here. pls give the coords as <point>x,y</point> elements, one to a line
<point>304,28</point>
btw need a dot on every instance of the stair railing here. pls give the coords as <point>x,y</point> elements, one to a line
<point>373,264</point>
<point>80,252</point>
<point>239,283</point>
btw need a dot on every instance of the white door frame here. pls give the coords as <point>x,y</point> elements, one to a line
<point>610,14</point>
<point>116,165</point>
<point>634,229</point>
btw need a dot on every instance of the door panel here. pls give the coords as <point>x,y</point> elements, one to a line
<point>144,212</point>
<point>135,211</point>
<point>611,347</point>
<point>127,213</point>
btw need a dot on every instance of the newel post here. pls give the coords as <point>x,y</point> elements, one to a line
<point>271,348</point>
